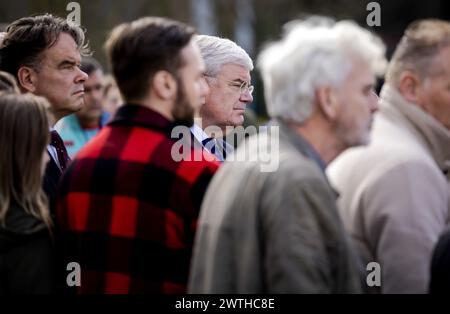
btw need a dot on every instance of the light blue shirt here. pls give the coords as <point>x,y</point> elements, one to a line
<point>74,136</point>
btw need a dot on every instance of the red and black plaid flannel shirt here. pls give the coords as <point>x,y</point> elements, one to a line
<point>127,211</point>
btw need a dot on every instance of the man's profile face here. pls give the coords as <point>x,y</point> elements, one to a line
<point>358,103</point>
<point>93,97</point>
<point>59,77</point>
<point>434,94</point>
<point>225,104</point>
<point>192,87</point>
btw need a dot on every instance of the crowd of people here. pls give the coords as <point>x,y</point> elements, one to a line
<point>88,173</point>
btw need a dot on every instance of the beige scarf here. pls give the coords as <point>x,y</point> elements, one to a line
<point>435,134</point>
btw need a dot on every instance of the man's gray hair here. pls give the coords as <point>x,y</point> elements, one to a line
<point>217,51</point>
<point>416,52</point>
<point>314,52</point>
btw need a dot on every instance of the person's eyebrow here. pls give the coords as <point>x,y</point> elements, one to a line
<point>67,62</point>
<point>240,81</point>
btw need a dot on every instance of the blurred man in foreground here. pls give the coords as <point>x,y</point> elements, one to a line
<point>395,192</point>
<point>278,231</point>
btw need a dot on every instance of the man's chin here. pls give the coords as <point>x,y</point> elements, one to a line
<point>361,141</point>
<point>76,105</point>
<point>239,121</point>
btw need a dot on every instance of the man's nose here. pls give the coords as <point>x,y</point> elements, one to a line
<point>81,76</point>
<point>204,88</point>
<point>374,99</point>
<point>246,97</point>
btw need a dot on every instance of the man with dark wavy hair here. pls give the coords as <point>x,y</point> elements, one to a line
<point>43,53</point>
<point>78,129</point>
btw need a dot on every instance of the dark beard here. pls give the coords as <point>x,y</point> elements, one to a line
<point>182,112</point>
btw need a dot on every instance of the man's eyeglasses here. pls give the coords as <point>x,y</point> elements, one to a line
<point>240,86</point>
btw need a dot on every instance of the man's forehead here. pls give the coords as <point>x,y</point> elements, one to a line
<point>65,48</point>
<point>362,69</point>
<point>234,71</point>
<point>440,63</point>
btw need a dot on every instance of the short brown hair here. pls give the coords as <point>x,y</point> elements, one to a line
<point>27,37</point>
<point>421,42</point>
<point>137,50</point>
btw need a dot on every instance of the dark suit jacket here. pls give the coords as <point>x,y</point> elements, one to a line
<point>50,182</point>
<point>222,145</point>
<point>26,254</point>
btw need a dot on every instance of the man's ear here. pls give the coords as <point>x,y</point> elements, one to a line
<point>326,100</point>
<point>27,79</point>
<point>164,85</point>
<point>410,86</point>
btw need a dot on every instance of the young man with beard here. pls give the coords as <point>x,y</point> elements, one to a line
<point>127,210</point>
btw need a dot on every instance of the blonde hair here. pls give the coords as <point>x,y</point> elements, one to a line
<point>8,83</point>
<point>24,136</point>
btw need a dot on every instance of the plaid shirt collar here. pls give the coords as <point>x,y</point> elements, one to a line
<point>137,115</point>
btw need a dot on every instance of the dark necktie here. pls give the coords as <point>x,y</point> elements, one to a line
<point>58,144</point>
<point>210,145</point>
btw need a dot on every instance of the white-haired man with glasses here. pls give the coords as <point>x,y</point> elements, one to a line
<point>279,231</point>
<point>227,73</point>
